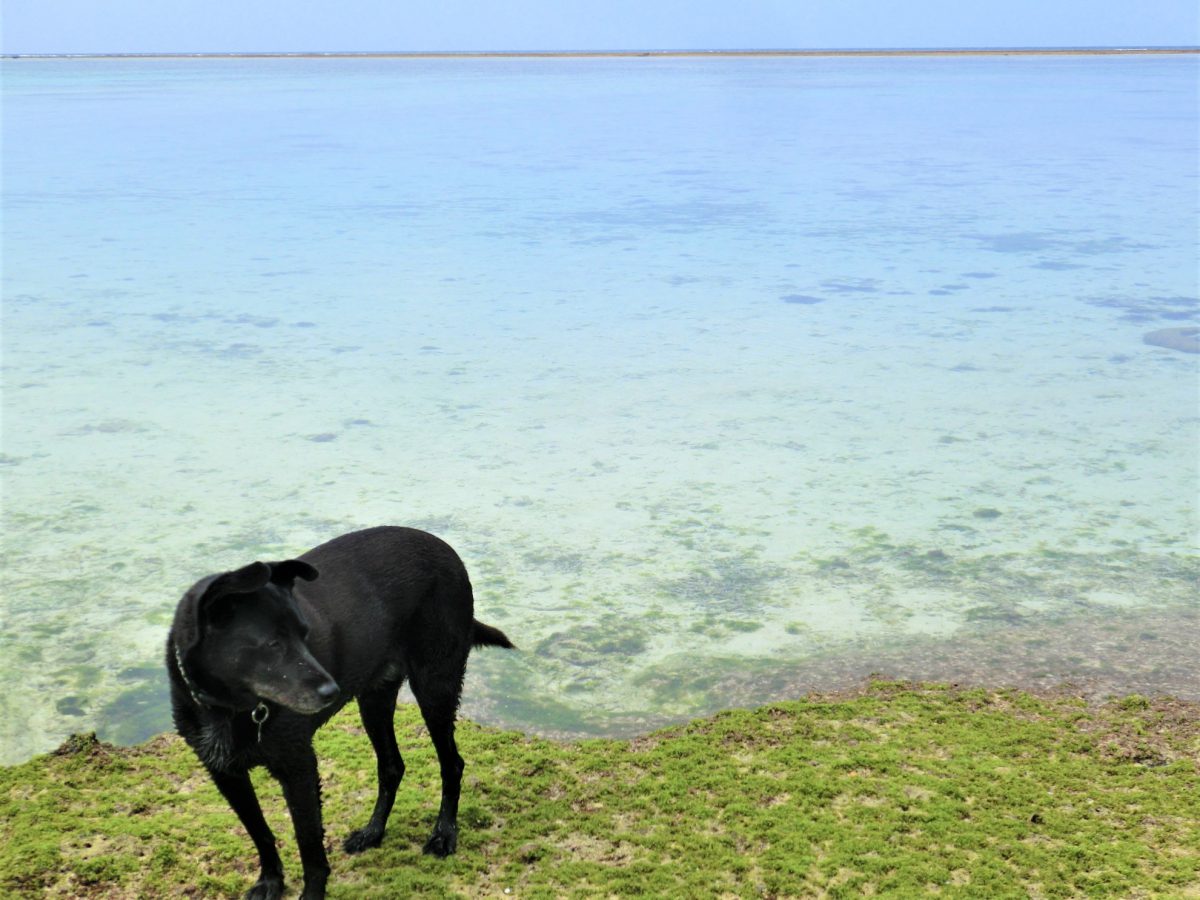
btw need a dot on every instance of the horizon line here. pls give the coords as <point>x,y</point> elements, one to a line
<point>585,54</point>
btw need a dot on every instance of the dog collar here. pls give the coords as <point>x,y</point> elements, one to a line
<point>258,715</point>
<point>187,682</point>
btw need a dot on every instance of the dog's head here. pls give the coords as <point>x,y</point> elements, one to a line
<point>240,638</point>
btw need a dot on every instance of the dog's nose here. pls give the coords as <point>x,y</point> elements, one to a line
<point>328,691</point>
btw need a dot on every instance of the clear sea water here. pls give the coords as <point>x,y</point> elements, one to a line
<point>730,379</point>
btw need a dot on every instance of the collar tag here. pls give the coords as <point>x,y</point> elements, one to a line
<point>259,717</point>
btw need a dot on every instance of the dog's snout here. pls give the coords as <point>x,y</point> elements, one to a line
<point>328,691</point>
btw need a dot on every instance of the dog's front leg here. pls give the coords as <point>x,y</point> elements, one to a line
<point>302,790</point>
<point>239,792</point>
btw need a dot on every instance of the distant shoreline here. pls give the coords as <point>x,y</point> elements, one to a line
<point>627,54</point>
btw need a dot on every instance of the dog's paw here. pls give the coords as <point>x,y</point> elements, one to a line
<point>363,839</point>
<point>443,841</point>
<point>266,889</point>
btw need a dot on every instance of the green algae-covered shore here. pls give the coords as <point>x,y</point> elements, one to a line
<point>900,789</point>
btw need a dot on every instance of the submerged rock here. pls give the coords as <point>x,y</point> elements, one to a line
<point>1185,340</point>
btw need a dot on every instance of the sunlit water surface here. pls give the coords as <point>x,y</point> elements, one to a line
<point>729,379</point>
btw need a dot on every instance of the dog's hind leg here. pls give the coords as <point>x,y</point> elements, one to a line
<point>239,792</point>
<point>377,709</point>
<point>437,693</point>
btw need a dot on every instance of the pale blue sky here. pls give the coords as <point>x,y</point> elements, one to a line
<point>115,26</point>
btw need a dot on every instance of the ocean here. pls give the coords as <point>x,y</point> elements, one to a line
<point>729,378</point>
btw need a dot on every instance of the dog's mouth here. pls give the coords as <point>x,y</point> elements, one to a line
<point>306,701</point>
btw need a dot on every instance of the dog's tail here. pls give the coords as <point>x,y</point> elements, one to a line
<point>487,636</point>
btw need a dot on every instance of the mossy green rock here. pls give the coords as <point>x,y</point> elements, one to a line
<point>900,789</point>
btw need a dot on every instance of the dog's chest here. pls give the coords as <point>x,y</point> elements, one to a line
<point>214,744</point>
<point>223,746</point>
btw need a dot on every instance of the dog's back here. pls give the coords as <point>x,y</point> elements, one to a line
<point>385,572</point>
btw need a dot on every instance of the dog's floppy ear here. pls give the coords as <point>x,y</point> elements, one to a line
<point>243,581</point>
<point>285,573</point>
<point>189,617</point>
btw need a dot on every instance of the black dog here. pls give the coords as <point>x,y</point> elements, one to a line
<point>258,663</point>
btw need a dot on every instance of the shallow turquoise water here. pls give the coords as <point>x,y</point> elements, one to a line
<point>728,378</point>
